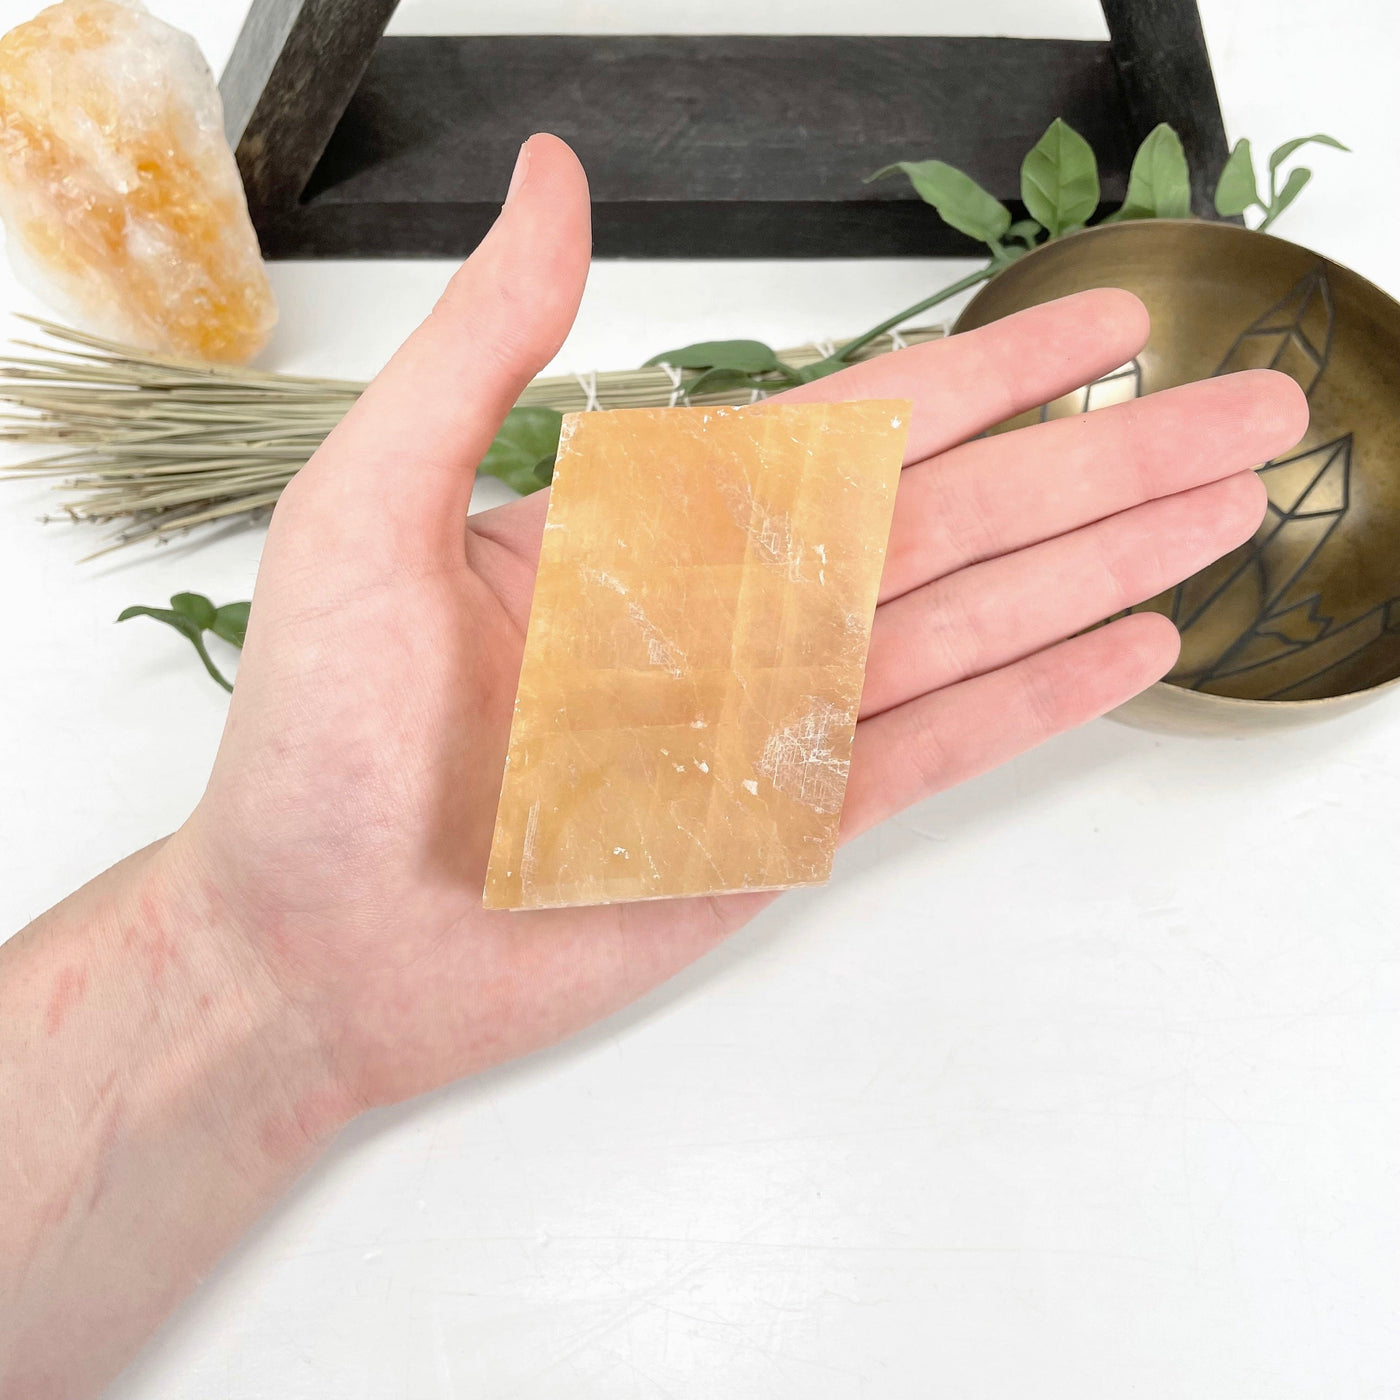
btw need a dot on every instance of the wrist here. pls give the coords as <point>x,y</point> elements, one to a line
<point>228,1004</point>
<point>192,1094</point>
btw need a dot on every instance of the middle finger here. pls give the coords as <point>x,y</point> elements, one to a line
<point>998,494</point>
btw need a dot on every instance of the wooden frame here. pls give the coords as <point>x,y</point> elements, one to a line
<point>357,145</point>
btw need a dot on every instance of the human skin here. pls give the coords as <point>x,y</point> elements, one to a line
<point>183,1036</point>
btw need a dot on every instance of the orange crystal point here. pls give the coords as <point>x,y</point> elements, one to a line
<point>696,651</point>
<point>119,193</point>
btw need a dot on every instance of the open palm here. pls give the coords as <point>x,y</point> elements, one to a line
<point>345,830</point>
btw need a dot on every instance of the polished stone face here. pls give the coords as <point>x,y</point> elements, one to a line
<point>696,651</point>
<point>121,200</point>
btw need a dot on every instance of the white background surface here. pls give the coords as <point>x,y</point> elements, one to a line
<point>1079,1081</point>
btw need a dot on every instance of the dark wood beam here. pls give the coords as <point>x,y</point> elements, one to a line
<point>294,68</point>
<point>354,145</point>
<point>695,146</point>
<point>1159,48</point>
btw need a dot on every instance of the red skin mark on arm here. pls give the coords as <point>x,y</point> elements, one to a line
<point>161,953</point>
<point>105,1144</point>
<point>110,1106</point>
<point>68,990</point>
<point>160,949</point>
<point>152,940</point>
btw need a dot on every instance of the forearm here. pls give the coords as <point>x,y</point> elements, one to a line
<point>156,1094</point>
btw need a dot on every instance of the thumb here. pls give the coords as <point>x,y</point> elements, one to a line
<point>399,468</point>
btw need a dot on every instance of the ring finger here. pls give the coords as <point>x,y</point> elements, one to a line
<point>991,614</point>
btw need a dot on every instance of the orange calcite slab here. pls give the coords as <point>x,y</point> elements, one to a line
<point>696,651</point>
<point>121,200</point>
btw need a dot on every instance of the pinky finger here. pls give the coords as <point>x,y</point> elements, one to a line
<point>947,736</point>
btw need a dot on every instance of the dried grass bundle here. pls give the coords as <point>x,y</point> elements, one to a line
<point>155,445</point>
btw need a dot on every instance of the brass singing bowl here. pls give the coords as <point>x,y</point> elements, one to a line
<point>1303,622</point>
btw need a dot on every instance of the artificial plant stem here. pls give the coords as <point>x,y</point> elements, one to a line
<point>971,280</point>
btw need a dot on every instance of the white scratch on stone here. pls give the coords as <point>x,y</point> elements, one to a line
<point>800,761</point>
<point>527,855</point>
<point>771,531</point>
<point>661,650</point>
<point>607,580</point>
<point>700,846</point>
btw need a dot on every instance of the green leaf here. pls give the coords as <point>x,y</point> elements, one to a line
<point>196,607</point>
<point>522,453</point>
<point>1237,188</point>
<point>959,199</point>
<point>1284,151</point>
<point>819,369</point>
<point>1026,230</point>
<point>1159,184</point>
<point>183,624</point>
<point>1298,177</point>
<point>750,356</point>
<point>231,623</point>
<point>717,380</point>
<point>1060,179</point>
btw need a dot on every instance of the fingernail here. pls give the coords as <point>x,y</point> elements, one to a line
<point>522,164</point>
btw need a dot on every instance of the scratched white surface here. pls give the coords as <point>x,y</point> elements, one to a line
<point>1078,1081</point>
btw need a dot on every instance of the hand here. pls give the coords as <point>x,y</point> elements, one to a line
<point>312,940</point>
<point>345,830</point>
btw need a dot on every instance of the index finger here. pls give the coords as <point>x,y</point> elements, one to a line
<point>960,385</point>
<point>964,384</point>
